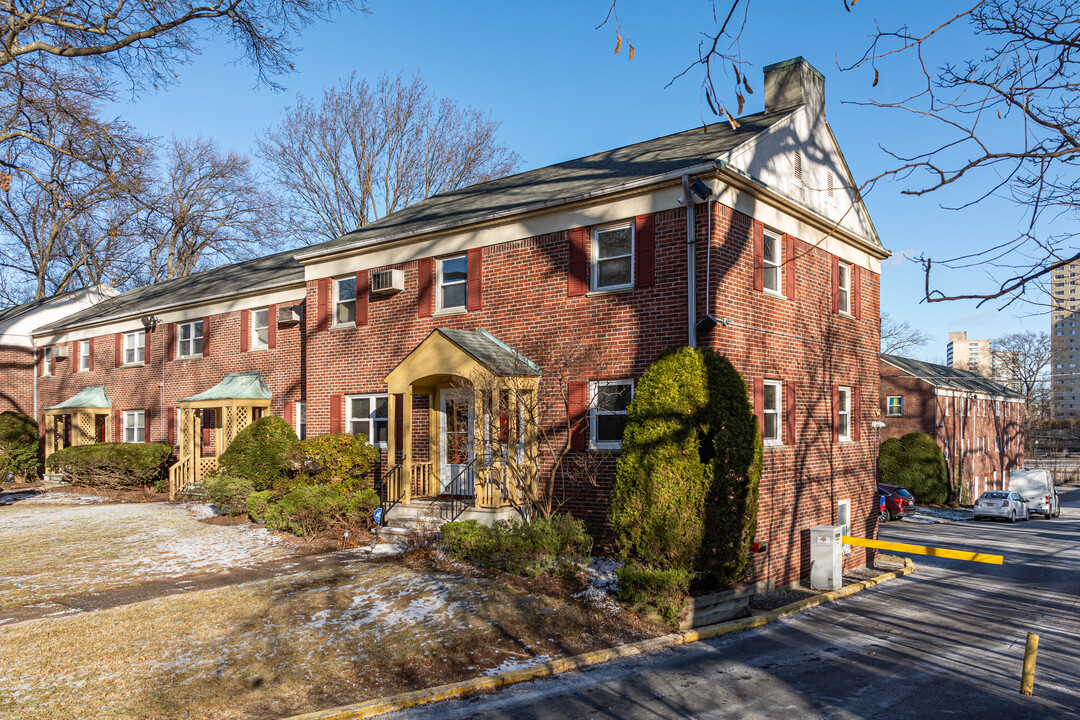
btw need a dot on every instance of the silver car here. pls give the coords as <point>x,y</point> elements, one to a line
<point>1001,504</point>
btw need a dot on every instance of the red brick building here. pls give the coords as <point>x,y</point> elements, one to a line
<point>978,423</point>
<point>470,333</point>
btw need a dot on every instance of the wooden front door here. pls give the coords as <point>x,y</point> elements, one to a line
<point>456,442</point>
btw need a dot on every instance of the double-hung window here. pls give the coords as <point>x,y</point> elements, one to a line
<point>369,418</point>
<point>135,348</point>
<point>84,356</point>
<point>46,361</point>
<point>772,263</point>
<point>895,406</point>
<point>345,301</point>
<point>453,282</point>
<point>190,339</point>
<point>607,413</point>
<point>301,420</point>
<point>134,426</point>
<point>260,328</point>
<point>613,257</point>
<point>843,290</point>
<point>843,414</point>
<point>772,406</point>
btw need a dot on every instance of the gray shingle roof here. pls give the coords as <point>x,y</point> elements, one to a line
<point>491,352</point>
<point>548,185</point>
<point>949,378</point>
<point>258,274</point>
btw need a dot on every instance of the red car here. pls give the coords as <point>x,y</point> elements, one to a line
<point>898,502</point>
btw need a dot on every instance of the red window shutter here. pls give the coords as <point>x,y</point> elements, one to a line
<point>790,245</point>
<point>578,401</point>
<point>856,414</point>
<point>423,287</point>
<point>335,414</point>
<point>74,361</point>
<point>322,304</point>
<point>41,364</point>
<point>362,292</point>
<point>790,412</point>
<point>759,255</point>
<point>147,424</point>
<point>835,284</point>
<point>644,250</point>
<point>118,427</point>
<point>148,341</point>
<point>119,349</point>
<point>290,413</point>
<point>91,354</point>
<point>759,402</point>
<point>171,423</point>
<point>399,422</point>
<point>245,329</point>
<point>271,327</point>
<point>474,285</point>
<point>577,282</point>
<point>170,341</point>
<point>856,291</point>
<point>206,337</point>
<point>836,413</point>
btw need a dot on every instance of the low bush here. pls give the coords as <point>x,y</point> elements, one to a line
<point>260,453</point>
<point>555,545</point>
<point>311,509</point>
<point>258,503</point>
<point>229,494</point>
<point>915,462</point>
<point>113,464</point>
<point>662,591</point>
<point>344,461</point>
<point>18,446</point>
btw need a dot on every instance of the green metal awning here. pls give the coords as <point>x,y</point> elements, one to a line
<point>89,397</point>
<point>247,385</point>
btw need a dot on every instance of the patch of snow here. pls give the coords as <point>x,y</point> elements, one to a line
<point>944,513</point>
<point>509,665</point>
<point>922,519</point>
<point>200,511</point>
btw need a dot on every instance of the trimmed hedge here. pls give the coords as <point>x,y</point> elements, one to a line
<point>18,446</point>
<point>686,483</point>
<point>113,464</point>
<point>343,461</point>
<point>229,494</point>
<point>260,453</point>
<point>554,545</point>
<point>663,591</point>
<point>915,461</point>
<point>311,509</point>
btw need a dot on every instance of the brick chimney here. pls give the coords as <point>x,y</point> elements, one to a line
<point>794,82</point>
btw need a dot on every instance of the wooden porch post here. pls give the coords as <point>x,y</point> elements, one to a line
<point>479,426</point>
<point>407,458</point>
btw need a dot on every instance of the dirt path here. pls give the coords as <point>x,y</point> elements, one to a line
<point>116,597</point>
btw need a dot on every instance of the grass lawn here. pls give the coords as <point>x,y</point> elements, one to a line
<point>288,645</point>
<point>52,550</point>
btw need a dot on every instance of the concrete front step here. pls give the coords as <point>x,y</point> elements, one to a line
<point>428,510</point>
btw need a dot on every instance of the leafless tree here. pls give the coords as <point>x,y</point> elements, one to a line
<point>898,336</point>
<point>1022,360</point>
<point>209,208</point>
<point>366,150</point>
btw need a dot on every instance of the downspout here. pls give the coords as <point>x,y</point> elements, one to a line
<point>691,288</point>
<point>34,366</point>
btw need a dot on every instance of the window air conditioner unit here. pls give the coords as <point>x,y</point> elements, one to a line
<point>288,315</point>
<point>387,282</point>
<point>60,351</point>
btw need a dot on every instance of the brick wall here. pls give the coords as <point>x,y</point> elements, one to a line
<point>17,371</point>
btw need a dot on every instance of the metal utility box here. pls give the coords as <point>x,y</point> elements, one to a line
<point>826,557</point>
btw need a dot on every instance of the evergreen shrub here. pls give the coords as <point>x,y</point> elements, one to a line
<point>260,453</point>
<point>229,494</point>
<point>916,462</point>
<point>311,509</point>
<point>662,591</point>
<point>343,461</point>
<point>555,545</point>
<point>113,464</point>
<point>18,446</point>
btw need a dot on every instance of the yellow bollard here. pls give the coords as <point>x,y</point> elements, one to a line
<point>1027,679</point>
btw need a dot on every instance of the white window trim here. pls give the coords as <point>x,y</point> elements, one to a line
<point>338,301</point>
<point>439,284</point>
<point>842,286</point>
<point>778,411</point>
<point>594,388</point>
<point>594,257</point>
<point>257,344</point>
<point>371,398</point>
<point>843,510</point>
<point>84,367</point>
<point>190,340</point>
<point>46,361</point>
<point>778,246</point>
<point>842,392</point>
<point>888,406</point>
<point>130,418</point>
<point>135,347</point>
<point>301,420</point>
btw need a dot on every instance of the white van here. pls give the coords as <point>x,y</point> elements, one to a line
<point>1037,487</point>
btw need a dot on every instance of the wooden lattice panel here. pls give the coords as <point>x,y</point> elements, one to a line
<point>86,428</point>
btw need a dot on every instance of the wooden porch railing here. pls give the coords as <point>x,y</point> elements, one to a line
<point>501,485</point>
<point>424,482</point>
<point>187,471</point>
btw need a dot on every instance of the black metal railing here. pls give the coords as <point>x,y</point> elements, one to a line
<point>387,499</point>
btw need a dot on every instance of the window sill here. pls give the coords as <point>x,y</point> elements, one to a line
<point>187,358</point>
<point>343,326</point>
<point>846,441</point>
<point>894,415</point>
<point>450,311</point>
<point>258,349</point>
<point>774,294</point>
<point>845,314</point>
<point>610,291</point>
<point>134,364</point>
<point>606,447</point>
<point>772,444</point>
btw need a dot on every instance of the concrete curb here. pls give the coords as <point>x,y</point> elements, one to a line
<point>465,688</point>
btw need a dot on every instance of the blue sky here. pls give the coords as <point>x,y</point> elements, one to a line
<point>552,79</point>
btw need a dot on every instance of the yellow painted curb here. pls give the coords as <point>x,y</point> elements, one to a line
<point>373,708</point>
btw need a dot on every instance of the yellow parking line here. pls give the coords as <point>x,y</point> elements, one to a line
<point>923,550</point>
